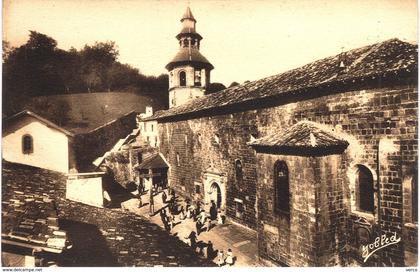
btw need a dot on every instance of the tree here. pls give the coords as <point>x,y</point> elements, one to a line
<point>234,84</point>
<point>215,87</point>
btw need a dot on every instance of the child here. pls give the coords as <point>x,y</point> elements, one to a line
<point>208,224</point>
<point>219,218</point>
<point>229,258</point>
<point>182,214</point>
<point>220,258</point>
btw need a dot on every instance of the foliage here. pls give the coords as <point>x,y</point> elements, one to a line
<point>215,87</point>
<point>40,68</point>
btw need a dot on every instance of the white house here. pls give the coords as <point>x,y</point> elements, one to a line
<point>32,140</point>
<point>148,129</point>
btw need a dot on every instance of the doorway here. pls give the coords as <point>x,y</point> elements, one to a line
<point>216,194</point>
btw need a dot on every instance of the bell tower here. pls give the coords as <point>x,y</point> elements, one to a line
<point>189,70</point>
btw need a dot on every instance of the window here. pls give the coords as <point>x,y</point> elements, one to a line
<point>156,141</point>
<point>27,144</point>
<point>182,79</point>
<point>151,127</point>
<point>177,159</point>
<point>148,139</point>
<point>364,189</point>
<point>238,171</point>
<point>197,78</point>
<point>281,188</point>
<point>239,208</point>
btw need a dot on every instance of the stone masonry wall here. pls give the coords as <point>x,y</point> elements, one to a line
<point>384,117</point>
<point>94,144</point>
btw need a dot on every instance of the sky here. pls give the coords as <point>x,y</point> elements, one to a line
<point>243,39</point>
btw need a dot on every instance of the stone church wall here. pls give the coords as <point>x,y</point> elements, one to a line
<point>368,118</point>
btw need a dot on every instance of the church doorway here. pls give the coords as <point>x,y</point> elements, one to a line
<point>216,194</point>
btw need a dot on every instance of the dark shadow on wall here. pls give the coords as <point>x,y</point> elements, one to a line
<point>89,246</point>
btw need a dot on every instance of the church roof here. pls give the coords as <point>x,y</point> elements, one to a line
<point>152,162</point>
<point>303,138</point>
<point>189,55</point>
<point>374,63</point>
<point>188,15</point>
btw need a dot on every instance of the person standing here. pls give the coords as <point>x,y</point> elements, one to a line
<point>229,257</point>
<point>213,211</point>
<point>164,197</point>
<point>220,258</point>
<point>198,227</point>
<point>208,224</point>
<point>151,203</point>
<point>219,218</point>
<point>193,240</point>
<point>182,214</point>
<point>210,250</point>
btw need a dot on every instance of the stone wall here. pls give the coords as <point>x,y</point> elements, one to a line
<point>367,118</point>
<point>89,146</point>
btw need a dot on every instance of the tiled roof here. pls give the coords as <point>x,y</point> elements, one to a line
<point>372,62</point>
<point>304,137</point>
<point>153,162</point>
<point>29,216</point>
<point>36,116</point>
<point>187,55</point>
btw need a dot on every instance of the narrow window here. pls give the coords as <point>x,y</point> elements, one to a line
<point>238,171</point>
<point>281,188</point>
<point>182,79</point>
<point>151,127</point>
<point>365,193</point>
<point>148,139</point>
<point>156,141</point>
<point>27,144</point>
<point>197,78</point>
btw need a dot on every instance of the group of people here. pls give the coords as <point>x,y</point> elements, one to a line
<point>197,213</point>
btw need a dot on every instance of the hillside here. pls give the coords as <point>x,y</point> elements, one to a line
<point>87,111</point>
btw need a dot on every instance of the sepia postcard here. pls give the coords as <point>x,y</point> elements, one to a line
<point>209,133</point>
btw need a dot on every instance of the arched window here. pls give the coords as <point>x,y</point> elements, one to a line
<point>182,79</point>
<point>27,144</point>
<point>238,171</point>
<point>281,188</point>
<point>364,191</point>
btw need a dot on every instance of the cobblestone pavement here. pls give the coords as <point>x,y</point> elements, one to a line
<point>102,237</point>
<point>241,240</point>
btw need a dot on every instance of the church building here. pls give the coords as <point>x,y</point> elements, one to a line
<point>319,160</point>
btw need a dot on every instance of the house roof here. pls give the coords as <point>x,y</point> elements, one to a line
<point>188,55</point>
<point>89,111</point>
<point>305,137</point>
<point>48,123</point>
<point>29,216</point>
<point>373,62</point>
<point>152,162</point>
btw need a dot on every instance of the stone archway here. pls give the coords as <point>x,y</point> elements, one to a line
<point>215,187</point>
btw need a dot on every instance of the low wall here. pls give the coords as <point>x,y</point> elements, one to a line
<point>86,188</point>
